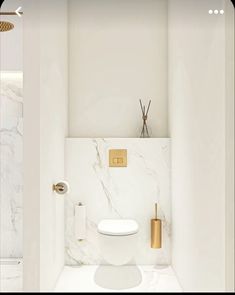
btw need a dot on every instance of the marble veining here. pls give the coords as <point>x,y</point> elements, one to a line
<point>118,193</point>
<point>11,158</point>
<point>11,275</point>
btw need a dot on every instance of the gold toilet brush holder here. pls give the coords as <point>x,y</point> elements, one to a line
<point>156,231</point>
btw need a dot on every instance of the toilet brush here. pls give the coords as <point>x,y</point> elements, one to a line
<point>156,231</point>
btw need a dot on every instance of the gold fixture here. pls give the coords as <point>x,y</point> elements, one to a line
<point>117,158</point>
<point>7,26</point>
<point>156,231</point>
<point>60,188</point>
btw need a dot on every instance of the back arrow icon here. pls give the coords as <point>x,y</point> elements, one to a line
<point>18,11</point>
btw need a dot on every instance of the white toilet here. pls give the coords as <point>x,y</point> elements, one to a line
<point>118,239</point>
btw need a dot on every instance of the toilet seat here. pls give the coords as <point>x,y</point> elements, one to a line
<point>118,227</point>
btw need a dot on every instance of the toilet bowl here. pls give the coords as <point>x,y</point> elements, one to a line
<point>118,238</point>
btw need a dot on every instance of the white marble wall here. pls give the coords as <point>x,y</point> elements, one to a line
<point>11,131</point>
<point>118,193</point>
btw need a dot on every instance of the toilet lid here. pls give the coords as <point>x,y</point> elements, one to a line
<point>118,227</point>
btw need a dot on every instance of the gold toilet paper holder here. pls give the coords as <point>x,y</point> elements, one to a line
<point>156,231</point>
<point>61,187</point>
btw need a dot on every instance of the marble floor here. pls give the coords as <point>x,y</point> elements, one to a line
<point>11,275</point>
<point>99,279</point>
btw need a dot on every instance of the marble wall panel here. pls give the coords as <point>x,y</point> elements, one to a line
<point>11,162</point>
<point>129,192</point>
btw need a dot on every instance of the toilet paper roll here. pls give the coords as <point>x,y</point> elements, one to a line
<point>80,221</point>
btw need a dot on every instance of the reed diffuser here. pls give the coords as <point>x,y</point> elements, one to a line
<point>144,131</point>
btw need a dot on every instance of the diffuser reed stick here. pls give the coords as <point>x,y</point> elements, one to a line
<point>144,131</point>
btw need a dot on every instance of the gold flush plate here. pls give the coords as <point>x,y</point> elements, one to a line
<point>117,158</point>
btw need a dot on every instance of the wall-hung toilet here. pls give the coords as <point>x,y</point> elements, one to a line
<point>118,239</point>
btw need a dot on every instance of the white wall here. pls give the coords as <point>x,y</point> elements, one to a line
<point>197,112</point>
<point>45,120</point>
<point>11,43</point>
<point>230,276</point>
<point>31,150</point>
<point>118,54</point>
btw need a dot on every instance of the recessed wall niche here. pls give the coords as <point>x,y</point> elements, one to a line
<point>118,55</point>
